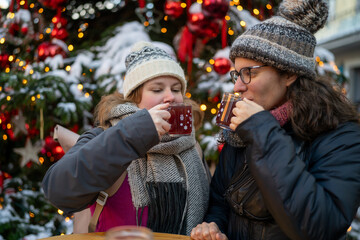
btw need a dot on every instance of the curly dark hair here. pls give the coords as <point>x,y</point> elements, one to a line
<point>318,107</point>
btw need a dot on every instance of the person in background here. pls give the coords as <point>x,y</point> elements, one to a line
<point>290,167</point>
<point>166,186</point>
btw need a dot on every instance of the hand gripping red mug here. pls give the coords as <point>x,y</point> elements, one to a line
<point>180,120</point>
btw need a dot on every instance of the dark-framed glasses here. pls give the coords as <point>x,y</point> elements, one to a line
<point>244,74</point>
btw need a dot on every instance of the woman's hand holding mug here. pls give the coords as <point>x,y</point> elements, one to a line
<point>160,116</point>
<point>242,111</point>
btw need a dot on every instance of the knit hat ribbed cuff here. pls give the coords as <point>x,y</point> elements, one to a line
<point>272,54</point>
<point>151,69</point>
<point>285,41</point>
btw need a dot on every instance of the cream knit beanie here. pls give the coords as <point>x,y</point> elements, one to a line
<point>146,62</point>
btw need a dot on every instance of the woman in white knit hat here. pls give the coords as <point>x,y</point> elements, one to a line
<point>290,167</point>
<point>165,184</point>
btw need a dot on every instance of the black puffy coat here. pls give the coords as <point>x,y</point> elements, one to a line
<point>280,188</point>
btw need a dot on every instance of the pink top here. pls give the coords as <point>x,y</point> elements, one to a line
<point>119,210</point>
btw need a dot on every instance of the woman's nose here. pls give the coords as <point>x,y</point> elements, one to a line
<point>169,96</point>
<point>239,86</point>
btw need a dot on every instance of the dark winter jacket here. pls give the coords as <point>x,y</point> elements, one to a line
<point>79,185</point>
<point>280,188</point>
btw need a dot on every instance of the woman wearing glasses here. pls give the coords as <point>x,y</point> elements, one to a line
<point>290,169</point>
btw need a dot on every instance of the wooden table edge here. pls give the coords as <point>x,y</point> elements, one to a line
<point>101,236</point>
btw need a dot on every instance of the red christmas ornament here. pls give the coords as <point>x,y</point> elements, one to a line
<point>201,26</point>
<point>222,65</point>
<point>53,4</point>
<point>52,148</point>
<point>59,21</point>
<point>47,49</point>
<point>14,28</point>
<point>10,133</point>
<point>216,99</point>
<point>62,34</point>
<point>4,60</point>
<point>32,131</point>
<point>58,150</point>
<point>75,128</point>
<point>50,142</point>
<point>215,8</point>
<point>54,32</point>
<point>24,29</point>
<point>59,33</point>
<point>173,8</point>
<point>29,164</point>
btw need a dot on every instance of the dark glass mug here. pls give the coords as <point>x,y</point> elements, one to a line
<point>224,114</point>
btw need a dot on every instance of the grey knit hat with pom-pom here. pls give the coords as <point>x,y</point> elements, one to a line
<point>285,41</point>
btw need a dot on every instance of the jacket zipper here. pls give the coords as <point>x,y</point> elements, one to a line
<point>231,187</point>
<point>248,195</point>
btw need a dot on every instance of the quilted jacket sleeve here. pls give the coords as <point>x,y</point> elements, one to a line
<point>97,160</point>
<point>312,198</point>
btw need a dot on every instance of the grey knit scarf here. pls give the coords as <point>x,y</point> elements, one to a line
<point>231,138</point>
<point>172,161</point>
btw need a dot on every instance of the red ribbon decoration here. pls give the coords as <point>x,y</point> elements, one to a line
<point>58,13</point>
<point>12,4</point>
<point>141,3</point>
<point>185,51</point>
<point>224,34</point>
<point>11,8</point>
<point>26,5</point>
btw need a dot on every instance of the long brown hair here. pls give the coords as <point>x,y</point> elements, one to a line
<point>318,107</point>
<point>108,102</point>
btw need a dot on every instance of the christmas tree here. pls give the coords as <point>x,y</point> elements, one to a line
<point>59,57</point>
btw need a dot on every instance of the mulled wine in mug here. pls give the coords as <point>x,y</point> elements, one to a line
<point>180,120</point>
<point>224,115</point>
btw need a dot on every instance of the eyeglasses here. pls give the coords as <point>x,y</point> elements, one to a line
<point>244,74</point>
